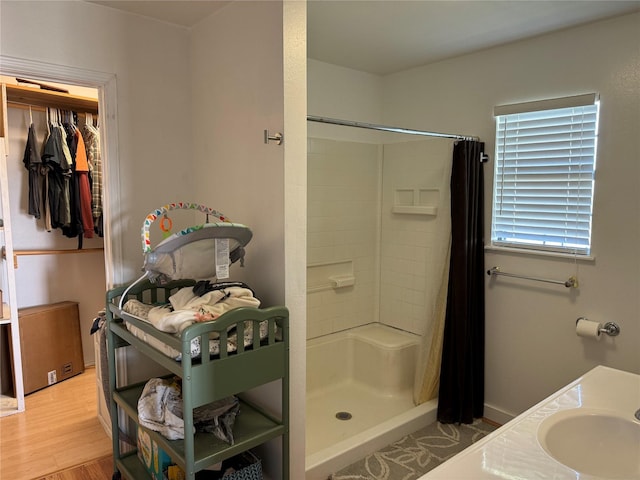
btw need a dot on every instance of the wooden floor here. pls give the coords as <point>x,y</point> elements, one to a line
<point>58,430</point>
<point>101,469</point>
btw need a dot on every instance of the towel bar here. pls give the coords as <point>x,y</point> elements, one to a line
<point>571,282</point>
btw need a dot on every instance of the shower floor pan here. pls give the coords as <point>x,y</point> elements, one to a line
<point>366,407</point>
<point>366,375</point>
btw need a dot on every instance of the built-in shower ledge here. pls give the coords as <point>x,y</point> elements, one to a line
<point>321,464</point>
<point>415,209</point>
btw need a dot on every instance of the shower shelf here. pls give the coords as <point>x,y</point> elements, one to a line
<point>330,275</point>
<point>415,209</point>
<point>416,201</point>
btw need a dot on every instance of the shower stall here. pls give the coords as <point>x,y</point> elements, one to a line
<point>378,229</point>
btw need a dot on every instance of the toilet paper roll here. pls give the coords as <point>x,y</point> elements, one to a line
<point>588,328</point>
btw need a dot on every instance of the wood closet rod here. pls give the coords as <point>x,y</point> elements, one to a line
<point>58,252</point>
<point>16,253</point>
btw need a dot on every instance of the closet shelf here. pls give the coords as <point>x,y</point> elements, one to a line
<point>17,94</point>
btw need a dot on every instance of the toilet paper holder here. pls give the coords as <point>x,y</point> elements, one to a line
<point>610,328</point>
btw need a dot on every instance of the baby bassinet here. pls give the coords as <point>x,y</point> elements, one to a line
<point>199,252</point>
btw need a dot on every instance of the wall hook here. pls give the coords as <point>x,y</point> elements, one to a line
<point>277,137</point>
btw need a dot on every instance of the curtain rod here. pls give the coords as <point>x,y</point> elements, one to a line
<point>385,128</point>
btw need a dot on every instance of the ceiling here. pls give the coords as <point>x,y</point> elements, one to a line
<point>180,12</point>
<point>387,36</point>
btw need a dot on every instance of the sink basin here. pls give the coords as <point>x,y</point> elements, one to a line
<point>593,442</point>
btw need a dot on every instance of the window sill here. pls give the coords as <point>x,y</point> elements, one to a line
<point>538,253</point>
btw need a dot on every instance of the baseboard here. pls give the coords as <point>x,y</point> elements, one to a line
<point>495,415</point>
<point>105,425</point>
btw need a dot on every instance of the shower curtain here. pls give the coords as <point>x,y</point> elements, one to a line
<point>461,390</point>
<point>427,373</point>
<point>428,368</point>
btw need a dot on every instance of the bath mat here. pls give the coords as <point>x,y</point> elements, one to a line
<point>414,455</point>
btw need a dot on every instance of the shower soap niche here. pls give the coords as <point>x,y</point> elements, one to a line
<point>416,201</point>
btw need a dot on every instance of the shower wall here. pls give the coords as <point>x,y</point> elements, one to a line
<point>343,211</point>
<point>414,230</point>
<point>377,211</point>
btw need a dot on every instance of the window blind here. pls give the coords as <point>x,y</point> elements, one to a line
<point>544,175</point>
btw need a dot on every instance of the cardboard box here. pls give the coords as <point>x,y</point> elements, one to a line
<point>50,344</point>
<point>155,460</point>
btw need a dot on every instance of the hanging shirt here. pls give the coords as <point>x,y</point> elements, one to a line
<point>84,189</point>
<point>67,166</point>
<point>74,228</point>
<point>57,164</point>
<point>33,164</point>
<point>91,136</point>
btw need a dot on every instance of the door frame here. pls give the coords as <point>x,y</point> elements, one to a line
<point>105,83</point>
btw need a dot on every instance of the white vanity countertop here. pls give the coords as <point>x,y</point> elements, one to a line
<point>513,452</point>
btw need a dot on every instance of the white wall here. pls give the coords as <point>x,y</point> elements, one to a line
<point>233,103</point>
<point>295,234</point>
<point>531,345</point>
<point>345,94</point>
<point>241,64</point>
<point>394,287</point>
<point>417,174</point>
<point>343,210</point>
<point>352,229</point>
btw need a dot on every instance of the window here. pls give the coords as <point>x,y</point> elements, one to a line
<point>544,174</point>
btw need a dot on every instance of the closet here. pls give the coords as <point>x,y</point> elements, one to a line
<point>41,267</point>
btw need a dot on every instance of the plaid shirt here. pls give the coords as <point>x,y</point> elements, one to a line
<point>91,137</point>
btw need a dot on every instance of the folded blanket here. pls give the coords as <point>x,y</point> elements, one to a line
<point>186,307</point>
